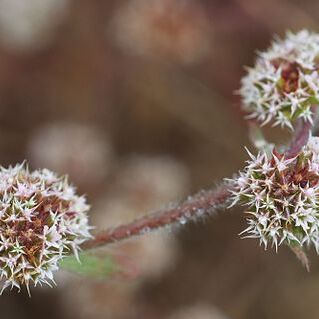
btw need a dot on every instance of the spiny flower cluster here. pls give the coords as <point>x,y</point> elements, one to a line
<point>284,82</point>
<point>41,221</point>
<point>282,196</point>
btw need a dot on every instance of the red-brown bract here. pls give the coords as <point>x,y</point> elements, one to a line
<point>41,221</point>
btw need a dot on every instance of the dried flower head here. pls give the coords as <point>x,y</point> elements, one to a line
<point>282,196</point>
<point>41,221</point>
<point>284,83</point>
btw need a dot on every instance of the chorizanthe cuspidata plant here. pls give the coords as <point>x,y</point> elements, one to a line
<point>282,197</point>
<point>284,83</point>
<point>41,221</point>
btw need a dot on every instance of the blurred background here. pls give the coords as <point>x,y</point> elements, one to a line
<point>134,99</point>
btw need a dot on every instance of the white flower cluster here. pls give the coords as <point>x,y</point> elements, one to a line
<point>282,195</point>
<point>41,221</point>
<point>284,83</point>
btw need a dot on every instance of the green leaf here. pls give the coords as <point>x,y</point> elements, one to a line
<point>89,265</point>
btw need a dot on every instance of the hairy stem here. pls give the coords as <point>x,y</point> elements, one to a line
<point>197,206</point>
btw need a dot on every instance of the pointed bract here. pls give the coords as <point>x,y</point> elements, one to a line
<point>282,197</point>
<point>284,83</point>
<point>41,221</point>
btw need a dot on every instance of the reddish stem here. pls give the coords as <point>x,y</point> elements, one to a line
<point>300,138</point>
<point>197,206</point>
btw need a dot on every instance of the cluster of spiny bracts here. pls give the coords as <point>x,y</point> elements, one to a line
<point>41,221</point>
<point>282,197</point>
<point>284,83</point>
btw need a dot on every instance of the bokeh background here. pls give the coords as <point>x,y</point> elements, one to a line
<point>134,99</point>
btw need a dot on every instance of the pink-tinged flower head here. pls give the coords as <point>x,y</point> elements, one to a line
<point>283,84</point>
<point>282,197</point>
<point>41,221</point>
